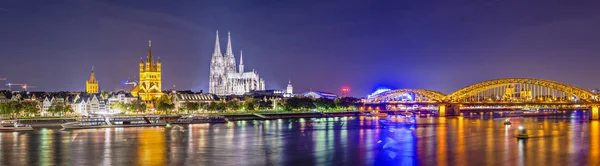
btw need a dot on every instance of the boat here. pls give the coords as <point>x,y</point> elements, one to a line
<point>375,114</point>
<point>114,122</point>
<point>192,119</point>
<point>13,125</point>
<point>381,115</point>
<point>507,121</point>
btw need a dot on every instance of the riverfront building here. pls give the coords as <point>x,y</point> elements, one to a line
<point>91,85</point>
<point>150,84</point>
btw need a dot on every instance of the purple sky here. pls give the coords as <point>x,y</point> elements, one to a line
<point>323,45</point>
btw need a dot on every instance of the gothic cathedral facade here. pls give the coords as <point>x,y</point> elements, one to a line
<point>225,79</point>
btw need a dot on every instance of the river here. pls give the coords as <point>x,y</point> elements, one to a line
<point>555,140</point>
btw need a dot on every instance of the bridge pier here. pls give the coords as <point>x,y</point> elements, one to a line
<point>594,113</point>
<point>448,110</point>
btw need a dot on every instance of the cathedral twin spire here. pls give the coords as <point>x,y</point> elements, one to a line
<point>230,59</point>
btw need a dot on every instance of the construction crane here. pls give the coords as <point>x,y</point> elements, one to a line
<point>25,86</point>
<point>11,84</point>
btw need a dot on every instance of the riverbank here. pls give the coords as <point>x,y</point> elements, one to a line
<point>56,121</point>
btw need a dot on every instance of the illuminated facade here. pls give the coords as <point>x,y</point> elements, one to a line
<point>289,90</point>
<point>224,79</point>
<point>91,85</point>
<point>150,85</point>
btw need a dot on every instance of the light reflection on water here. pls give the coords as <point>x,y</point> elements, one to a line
<point>325,141</point>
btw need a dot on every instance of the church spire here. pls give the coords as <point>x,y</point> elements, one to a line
<point>241,62</point>
<point>92,76</point>
<point>217,47</point>
<point>150,61</point>
<point>229,51</point>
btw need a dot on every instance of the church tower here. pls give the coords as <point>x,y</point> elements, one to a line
<point>91,85</point>
<point>229,57</point>
<point>289,89</point>
<point>150,84</point>
<point>217,72</point>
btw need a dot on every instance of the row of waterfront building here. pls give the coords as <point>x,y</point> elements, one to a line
<point>83,103</point>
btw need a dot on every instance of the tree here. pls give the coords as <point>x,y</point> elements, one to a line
<point>296,103</point>
<point>324,103</point>
<point>9,108</point>
<point>345,102</point>
<point>232,105</point>
<point>164,104</point>
<point>203,106</point>
<point>249,103</point>
<point>136,106</point>
<point>265,105</point>
<point>217,106</point>
<point>190,106</point>
<point>59,107</point>
<point>29,107</point>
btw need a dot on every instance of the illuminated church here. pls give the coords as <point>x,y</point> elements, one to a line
<point>91,85</point>
<point>150,85</point>
<point>225,79</point>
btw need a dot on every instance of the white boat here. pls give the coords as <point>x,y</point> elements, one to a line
<point>12,125</point>
<point>113,122</point>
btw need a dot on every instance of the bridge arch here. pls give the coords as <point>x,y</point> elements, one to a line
<point>413,94</point>
<point>525,87</point>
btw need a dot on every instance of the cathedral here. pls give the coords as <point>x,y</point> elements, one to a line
<point>150,84</point>
<point>225,79</point>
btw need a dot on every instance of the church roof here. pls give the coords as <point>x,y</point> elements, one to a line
<point>92,76</point>
<point>195,97</point>
<point>318,94</point>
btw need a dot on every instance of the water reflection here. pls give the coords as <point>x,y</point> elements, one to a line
<point>329,141</point>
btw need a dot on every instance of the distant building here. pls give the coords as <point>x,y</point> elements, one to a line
<point>180,98</point>
<point>265,93</point>
<point>3,98</point>
<point>319,94</point>
<point>289,91</point>
<point>47,103</point>
<point>150,84</point>
<point>91,85</point>
<point>224,79</point>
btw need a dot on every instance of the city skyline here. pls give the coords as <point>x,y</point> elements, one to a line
<point>421,49</point>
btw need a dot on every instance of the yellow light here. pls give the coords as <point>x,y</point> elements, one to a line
<point>442,110</point>
<point>595,114</point>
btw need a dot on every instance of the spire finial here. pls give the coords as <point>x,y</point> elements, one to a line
<point>149,59</point>
<point>217,51</point>
<point>241,70</point>
<point>241,58</point>
<point>92,68</point>
<point>229,51</point>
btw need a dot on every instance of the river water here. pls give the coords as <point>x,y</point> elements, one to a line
<point>556,140</point>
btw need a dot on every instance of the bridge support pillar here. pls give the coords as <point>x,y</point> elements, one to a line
<point>448,110</point>
<point>594,112</point>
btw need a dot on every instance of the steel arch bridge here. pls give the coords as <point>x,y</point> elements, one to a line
<point>524,88</point>
<point>422,95</point>
<point>508,93</point>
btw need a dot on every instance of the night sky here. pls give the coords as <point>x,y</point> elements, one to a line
<point>323,45</point>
